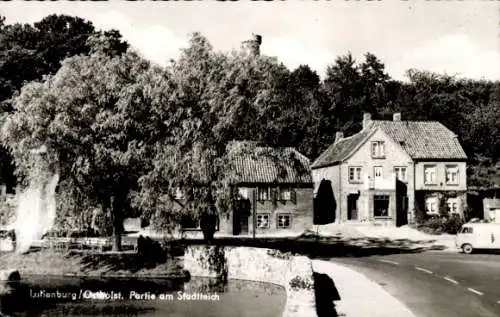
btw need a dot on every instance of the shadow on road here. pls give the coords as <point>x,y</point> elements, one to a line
<point>325,247</point>
<point>486,251</point>
<point>325,293</point>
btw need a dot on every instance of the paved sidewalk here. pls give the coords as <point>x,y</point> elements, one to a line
<point>404,236</point>
<point>443,242</point>
<point>359,296</point>
<point>338,230</point>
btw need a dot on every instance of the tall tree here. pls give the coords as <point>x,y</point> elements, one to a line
<point>95,116</point>
<point>199,114</point>
<point>300,123</point>
<point>351,88</point>
<point>27,52</point>
<point>217,98</point>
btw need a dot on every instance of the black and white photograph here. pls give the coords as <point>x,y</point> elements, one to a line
<point>250,158</point>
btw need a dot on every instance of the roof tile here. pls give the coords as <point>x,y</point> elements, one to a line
<point>424,139</point>
<point>339,151</point>
<point>420,139</point>
<point>272,164</point>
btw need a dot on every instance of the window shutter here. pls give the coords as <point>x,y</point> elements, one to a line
<point>293,195</point>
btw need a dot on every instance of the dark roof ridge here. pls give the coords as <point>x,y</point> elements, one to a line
<point>418,121</point>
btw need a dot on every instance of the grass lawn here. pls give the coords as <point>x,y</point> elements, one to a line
<point>77,263</point>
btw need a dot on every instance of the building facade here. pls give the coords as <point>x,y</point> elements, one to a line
<point>275,192</point>
<point>391,170</point>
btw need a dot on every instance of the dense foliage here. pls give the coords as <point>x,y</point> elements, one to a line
<point>30,51</point>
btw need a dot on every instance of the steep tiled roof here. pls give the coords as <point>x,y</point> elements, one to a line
<point>269,164</point>
<point>420,139</point>
<point>423,139</point>
<point>339,151</point>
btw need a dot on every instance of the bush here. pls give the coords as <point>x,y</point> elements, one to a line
<point>301,283</point>
<point>453,224</point>
<point>432,225</point>
<point>280,255</point>
<point>438,225</point>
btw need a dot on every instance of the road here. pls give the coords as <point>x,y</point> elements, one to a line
<point>436,284</point>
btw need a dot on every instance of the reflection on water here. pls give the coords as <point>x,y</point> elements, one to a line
<point>39,297</point>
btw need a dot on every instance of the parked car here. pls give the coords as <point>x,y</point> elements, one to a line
<point>478,235</point>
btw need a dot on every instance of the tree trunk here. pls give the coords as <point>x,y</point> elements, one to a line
<point>117,240</point>
<point>116,214</point>
<point>208,225</point>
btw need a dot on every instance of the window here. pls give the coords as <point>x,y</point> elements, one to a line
<point>430,175</point>
<point>467,230</point>
<point>355,174</point>
<point>452,205</point>
<point>381,205</point>
<point>378,149</point>
<point>284,221</point>
<point>377,172</point>
<point>452,175</point>
<point>264,193</point>
<point>401,173</point>
<point>432,205</point>
<point>263,221</point>
<point>285,193</point>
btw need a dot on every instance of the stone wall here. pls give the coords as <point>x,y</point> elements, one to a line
<point>294,273</point>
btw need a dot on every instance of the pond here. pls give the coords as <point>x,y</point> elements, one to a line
<point>71,296</point>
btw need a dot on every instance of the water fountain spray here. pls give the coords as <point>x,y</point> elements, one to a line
<point>36,209</point>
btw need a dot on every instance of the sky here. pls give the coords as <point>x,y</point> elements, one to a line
<point>453,37</point>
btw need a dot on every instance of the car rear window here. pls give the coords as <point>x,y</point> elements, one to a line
<point>467,230</point>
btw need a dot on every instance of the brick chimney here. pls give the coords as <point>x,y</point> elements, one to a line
<point>338,136</point>
<point>252,46</point>
<point>367,118</point>
<point>396,116</point>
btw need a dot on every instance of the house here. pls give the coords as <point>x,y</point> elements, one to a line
<point>275,191</point>
<point>393,169</point>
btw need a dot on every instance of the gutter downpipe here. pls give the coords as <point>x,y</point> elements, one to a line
<point>414,162</point>
<point>340,192</point>
<point>254,221</point>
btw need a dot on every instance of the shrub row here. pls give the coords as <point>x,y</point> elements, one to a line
<point>440,224</point>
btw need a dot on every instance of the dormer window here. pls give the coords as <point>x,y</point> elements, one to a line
<point>378,149</point>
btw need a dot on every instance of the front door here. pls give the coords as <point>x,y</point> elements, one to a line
<point>241,214</point>
<point>352,207</point>
<point>401,204</point>
<point>402,211</point>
